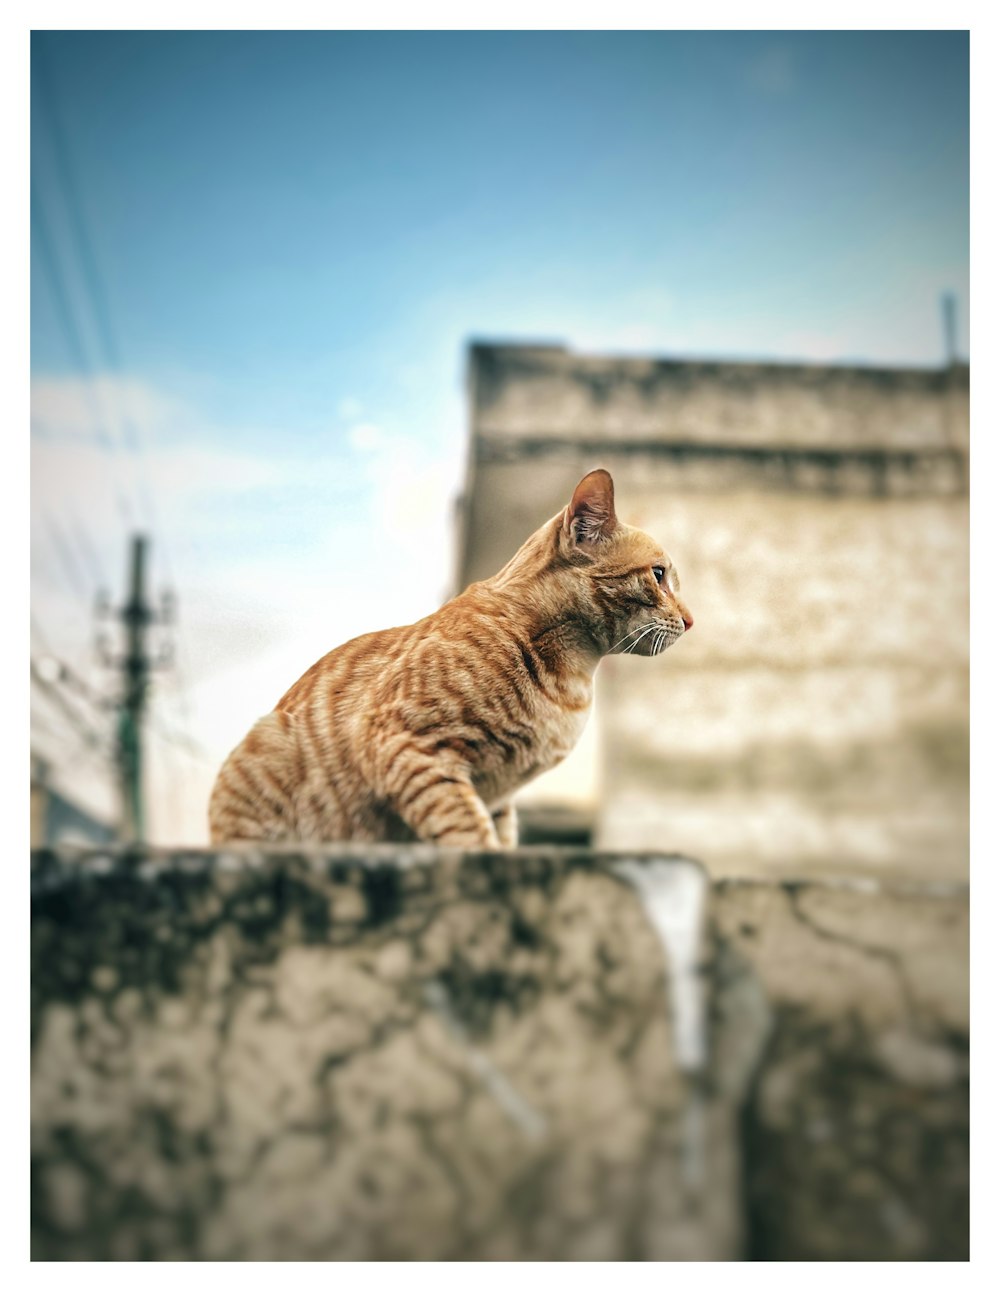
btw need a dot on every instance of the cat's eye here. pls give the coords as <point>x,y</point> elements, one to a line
<point>658,573</point>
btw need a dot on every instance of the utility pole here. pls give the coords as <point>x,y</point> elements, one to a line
<point>136,616</point>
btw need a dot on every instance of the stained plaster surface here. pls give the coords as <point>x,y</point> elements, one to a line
<point>548,1054</point>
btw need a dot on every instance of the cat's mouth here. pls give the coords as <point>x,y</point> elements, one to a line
<point>665,637</point>
<point>648,639</point>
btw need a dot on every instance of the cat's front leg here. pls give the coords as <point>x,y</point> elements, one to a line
<point>440,806</point>
<point>505,820</point>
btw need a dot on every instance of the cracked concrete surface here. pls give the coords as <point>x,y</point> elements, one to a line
<point>856,1125</point>
<point>404,1054</point>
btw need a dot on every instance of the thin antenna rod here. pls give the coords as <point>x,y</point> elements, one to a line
<point>948,319</point>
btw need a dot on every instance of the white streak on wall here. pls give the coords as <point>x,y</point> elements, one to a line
<point>673,894</point>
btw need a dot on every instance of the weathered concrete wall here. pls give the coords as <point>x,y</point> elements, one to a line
<point>818,713</point>
<point>536,392</point>
<point>401,1057</point>
<point>396,1054</point>
<point>855,1132</point>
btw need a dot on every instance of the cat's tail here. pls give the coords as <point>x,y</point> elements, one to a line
<point>253,798</point>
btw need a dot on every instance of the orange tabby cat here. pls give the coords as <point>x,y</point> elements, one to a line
<point>427,731</point>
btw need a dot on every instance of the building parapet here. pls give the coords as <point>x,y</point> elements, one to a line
<point>376,1053</point>
<point>521,391</point>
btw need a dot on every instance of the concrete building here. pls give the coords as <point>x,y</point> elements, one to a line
<point>817,716</point>
<point>56,819</point>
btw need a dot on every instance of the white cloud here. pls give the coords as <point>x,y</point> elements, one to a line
<point>100,408</point>
<point>365,437</point>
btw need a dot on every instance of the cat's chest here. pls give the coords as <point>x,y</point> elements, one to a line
<point>558,732</point>
<point>550,737</point>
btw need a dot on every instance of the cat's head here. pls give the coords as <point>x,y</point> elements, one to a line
<point>622,581</point>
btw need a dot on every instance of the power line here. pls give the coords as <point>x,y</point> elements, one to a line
<point>79,746</point>
<point>86,547</point>
<point>39,632</point>
<point>92,738</point>
<point>99,308</point>
<point>76,580</point>
<point>98,301</point>
<point>182,741</point>
<point>92,278</point>
<point>135,614</point>
<point>64,166</point>
<point>50,673</point>
<point>56,670</point>
<point>44,244</point>
<point>43,724</point>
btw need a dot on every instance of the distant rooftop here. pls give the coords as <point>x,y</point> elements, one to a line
<point>547,391</point>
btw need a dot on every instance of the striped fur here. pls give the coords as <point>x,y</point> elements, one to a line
<point>427,731</point>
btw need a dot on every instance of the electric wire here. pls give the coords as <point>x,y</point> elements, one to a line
<point>101,312</point>
<point>42,241</point>
<point>136,442</point>
<point>95,739</point>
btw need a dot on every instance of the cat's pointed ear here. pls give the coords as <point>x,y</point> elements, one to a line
<point>591,515</point>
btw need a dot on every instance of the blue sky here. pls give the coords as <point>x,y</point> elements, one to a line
<point>278,217</point>
<point>288,238</point>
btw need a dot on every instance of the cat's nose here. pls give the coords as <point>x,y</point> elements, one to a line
<point>688,620</point>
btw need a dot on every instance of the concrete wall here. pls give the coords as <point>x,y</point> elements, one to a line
<point>818,713</point>
<point>55,820</point>
<point>544,1054</point>
<point>546,391</point>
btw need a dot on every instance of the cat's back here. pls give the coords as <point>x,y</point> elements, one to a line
<point>375,673</point>
<point>347,671</point>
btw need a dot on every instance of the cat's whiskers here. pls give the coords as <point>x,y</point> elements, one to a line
<point>629,634</point>
<point>649,628</point>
